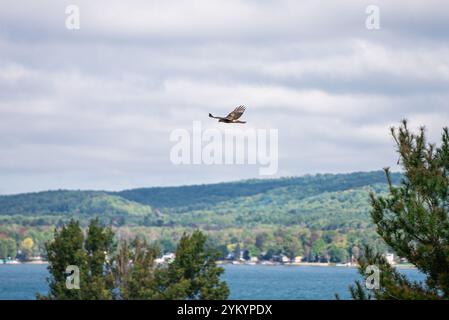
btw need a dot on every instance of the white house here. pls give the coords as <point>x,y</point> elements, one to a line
<point>166,258</point>
<point>389,257</point>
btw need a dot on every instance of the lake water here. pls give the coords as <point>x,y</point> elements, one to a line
<point>245,281</point>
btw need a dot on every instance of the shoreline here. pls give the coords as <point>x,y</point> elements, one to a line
<point>267,264</point>
<point>13,263</point>
<point>305,264</point>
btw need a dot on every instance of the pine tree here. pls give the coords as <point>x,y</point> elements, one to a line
<point>132,273</point>
<point>135,271</point>
<point>98,245</point>
<point>71,248</point>
<point>194,273</point>
<point>413,221</point>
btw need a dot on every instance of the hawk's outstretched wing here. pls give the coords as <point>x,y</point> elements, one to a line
<point>236,114</point>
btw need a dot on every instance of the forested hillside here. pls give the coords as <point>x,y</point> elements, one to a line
<point>320,206</point>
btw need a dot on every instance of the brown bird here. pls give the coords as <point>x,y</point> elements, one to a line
<point>232,117</point>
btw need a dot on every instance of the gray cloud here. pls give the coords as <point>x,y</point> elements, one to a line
<point>93,108</point>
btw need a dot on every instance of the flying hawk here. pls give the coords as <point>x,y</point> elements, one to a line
<point>232,117</point>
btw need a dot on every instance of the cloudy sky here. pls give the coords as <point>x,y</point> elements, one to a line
<point>93,108</point>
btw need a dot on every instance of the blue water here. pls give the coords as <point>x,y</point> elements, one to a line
<point>245,281</point>
<point>294,282</point>
<point>22,281</point>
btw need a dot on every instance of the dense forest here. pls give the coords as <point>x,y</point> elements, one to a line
<point>320,217</point>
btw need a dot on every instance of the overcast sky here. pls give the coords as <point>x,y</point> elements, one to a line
<point>93,108</point>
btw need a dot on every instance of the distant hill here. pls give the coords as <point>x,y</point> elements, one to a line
<point>323,200</point>
<point>200,195</point>
<point>321,217</point>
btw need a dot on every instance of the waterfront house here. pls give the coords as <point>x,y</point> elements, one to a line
<point>389,257</point>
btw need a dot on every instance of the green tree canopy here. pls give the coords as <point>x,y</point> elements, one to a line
<point>8,248</point>
<point>132,273</point>
<point>413,221</point>
<point>135,271</point>
<point>194,273</point>
<point>70,247</point>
